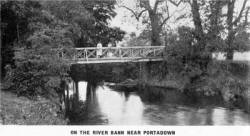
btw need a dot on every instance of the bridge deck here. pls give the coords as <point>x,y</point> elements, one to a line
<point>118,54</point>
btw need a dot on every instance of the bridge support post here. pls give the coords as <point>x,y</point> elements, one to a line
<point>120,53</point>
<point>76,91</point>
<point>143,74</point>
<point>67,104</point>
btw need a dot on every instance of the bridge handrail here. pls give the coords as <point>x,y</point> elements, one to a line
<point>132,47</point>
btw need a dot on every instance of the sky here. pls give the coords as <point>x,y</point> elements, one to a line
<point>130,24</point>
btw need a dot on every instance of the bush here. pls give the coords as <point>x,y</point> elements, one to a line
<point>33,77</point>
<point>220,80</point>
<point>38,68</point>
<point>206,77</point>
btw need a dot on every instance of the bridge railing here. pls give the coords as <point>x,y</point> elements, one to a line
<point>92,53</point>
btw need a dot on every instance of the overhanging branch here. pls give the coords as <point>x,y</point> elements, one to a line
<point>240,14</point>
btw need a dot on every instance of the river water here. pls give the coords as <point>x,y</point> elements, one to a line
<point>102,105</point>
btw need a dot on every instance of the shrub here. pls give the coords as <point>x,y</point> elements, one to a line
<point>38,68</point>
<point>33,77</point>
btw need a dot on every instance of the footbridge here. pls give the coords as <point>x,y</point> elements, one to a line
<point>118,54</point>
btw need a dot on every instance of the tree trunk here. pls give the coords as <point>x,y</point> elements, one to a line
<point>230,50</point>
<point>215,19</point>
<point>230,55</point>
<point>200,55</point>
<point>198,25</point>
<point>17,32</point>
<point>230,37</point>
<point>156,29</point>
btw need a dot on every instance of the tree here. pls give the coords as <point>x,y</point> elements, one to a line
<point>213,29</point>
<point>142,40</point>
<point>51,27</point>
<point>214,25</point>
<point>97,29</point>
<point>38,68</point>
<point>15,17</point>
<point>90,19</point>
<point>234,25</point>
<point>158,15</point>
<point>199,32</point>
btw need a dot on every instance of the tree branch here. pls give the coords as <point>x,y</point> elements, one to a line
<point>169,16</point>
<point>230,10</point>
<point>145,4</point>
<point>241,12</point>
<point>176,3</point>
<point>164,21</point>
<point>246,17</point>
<point>137,16</point>
<point>243,26</point>
<point>156,4</point>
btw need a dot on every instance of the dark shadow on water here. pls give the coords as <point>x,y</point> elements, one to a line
<point>86,112</point>
<point>151,106</point>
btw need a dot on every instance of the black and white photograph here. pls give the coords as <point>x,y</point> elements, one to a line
<point>125,63</point>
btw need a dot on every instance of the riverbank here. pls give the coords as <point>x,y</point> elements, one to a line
<point>23,111</point>
<point>228,79</point>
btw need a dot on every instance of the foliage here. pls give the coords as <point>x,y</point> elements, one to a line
<point>38,31</point>
<point>97,29</point>
<point>14,27</point>
<point>242,41</point>
<point>182,59</point>
<point>221,31</point>
<point>39,70</point>
<point>90,20</point>
<point>223,79</point>
<point>142,40</point>
<point>181,54</point>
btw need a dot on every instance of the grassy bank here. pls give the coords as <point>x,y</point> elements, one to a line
<point>23,111</point>
<point>229,79</point>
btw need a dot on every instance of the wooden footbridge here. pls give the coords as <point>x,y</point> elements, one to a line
<point>108,54</point>
<point>118,54</point>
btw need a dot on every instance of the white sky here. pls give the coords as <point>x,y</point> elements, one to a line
<point>130,24</point>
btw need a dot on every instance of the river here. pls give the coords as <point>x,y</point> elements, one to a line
<point>102,105</point>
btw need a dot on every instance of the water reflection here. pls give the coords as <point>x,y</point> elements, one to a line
<point>102,105</point>
<point>83,91</point>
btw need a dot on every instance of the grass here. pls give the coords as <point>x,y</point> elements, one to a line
<point>23,111</point>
